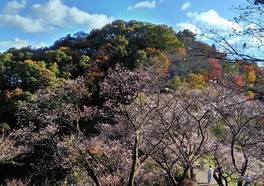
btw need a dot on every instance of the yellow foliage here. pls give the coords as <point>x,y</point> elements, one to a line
<point>4,126</point>
<point>64,49</point>
<point>159,60</point>
<point>251,76</point>
<point>250,94</point>
<point>12,93</point>
<point>29,61</point>
<point>196,80</point>
<point>141,98</point>
<point>18,91</point>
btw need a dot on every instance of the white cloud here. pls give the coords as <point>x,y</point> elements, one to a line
<point>13,7</point>
<point>51,15</point>
<point>186,5</point>
<point>26,24</point>
<point>17,43</point>
<point>53,12</point>
<point>213,20</point>
<point>79,17</point>
<point>189,26</point>
<point>143,4</point>
<point>56,13</point>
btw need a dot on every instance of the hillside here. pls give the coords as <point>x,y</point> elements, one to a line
<point>132,103</point>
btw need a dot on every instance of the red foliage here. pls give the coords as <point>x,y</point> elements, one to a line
<point>216,71</point>
<point>249,99</point>
<point>238,80</point>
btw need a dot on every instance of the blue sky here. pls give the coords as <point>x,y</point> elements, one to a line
<point>40,22</point>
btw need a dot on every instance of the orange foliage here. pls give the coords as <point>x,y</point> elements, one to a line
<point>12,93</point>
<point>182,52</point>
<point>98,60</point>
<point>93,75</point>
<point>94,149</point>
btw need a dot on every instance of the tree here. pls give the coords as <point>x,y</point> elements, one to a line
<point>20,79</point>
<point>186,36</point>
<point>250,50</point>
<point>63,106</point>
<point>188,115</point>
<point>239,135</point>
<point>43,120</point>
<point>249,27</point>
<point>33,155</point>
<point>119,153</point>
<point>136,111</point>
<point>136,35</point>
<point>215,71</point>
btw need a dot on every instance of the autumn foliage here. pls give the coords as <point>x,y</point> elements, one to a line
<point>132,103</point>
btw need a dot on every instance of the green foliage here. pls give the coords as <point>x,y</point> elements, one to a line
<point>126,38</point>
<point>218,130</point>
<point>140,56</point>
<point>186,36</point>
<point>4,127</point>
<point>55,68</point>
<point>227,67</point>
<point>151,166</point>
<point>176,82</point>
<point>84,61</point>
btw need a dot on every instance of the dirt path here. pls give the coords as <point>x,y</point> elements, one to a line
<point>201,176</point>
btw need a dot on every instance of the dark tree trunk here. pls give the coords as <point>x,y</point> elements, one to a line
<point>218,179</point>
<point>134,168</point>
<point>240,183</point>
<point>193,175</point>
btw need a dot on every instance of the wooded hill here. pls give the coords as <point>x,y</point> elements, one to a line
<point>130,103</point>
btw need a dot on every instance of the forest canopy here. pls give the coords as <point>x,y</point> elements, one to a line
<point>130,103</point>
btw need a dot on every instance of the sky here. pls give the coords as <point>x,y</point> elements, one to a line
<point>38,23</point>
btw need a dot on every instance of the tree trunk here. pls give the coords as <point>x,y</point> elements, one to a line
<point>240,183</point>
<point>218,179</point>
<point>185,173</point>
<point>192,174</point>
<point>134,168</point>
<point>174,182</point>
<point>91,173</point>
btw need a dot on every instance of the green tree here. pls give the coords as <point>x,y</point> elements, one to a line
<point>134,36</point>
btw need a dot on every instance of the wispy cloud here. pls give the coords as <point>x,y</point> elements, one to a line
<point>48,16</point>
<point>13,7</point>
<point>143,4</point>
<point>186,5</point>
